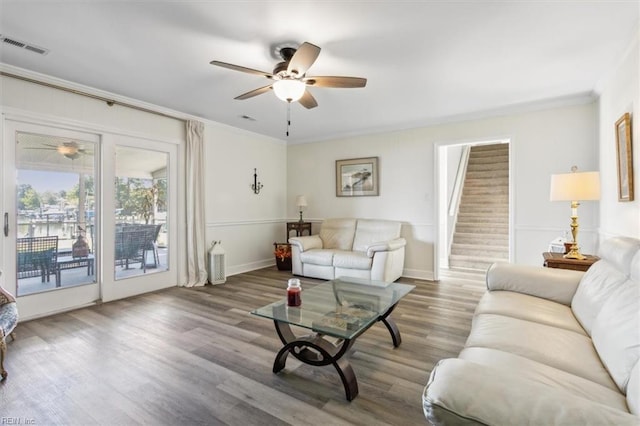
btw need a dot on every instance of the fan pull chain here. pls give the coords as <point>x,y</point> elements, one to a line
<point>288,117</point>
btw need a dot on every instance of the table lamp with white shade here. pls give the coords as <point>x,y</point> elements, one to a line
<point>575,187</point>
<point>301,202</point>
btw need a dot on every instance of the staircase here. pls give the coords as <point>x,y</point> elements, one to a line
<point>481,234</point>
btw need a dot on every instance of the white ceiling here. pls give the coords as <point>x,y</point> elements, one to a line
<point>425,61</point>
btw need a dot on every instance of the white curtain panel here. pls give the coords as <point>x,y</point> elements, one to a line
<point>196,240</point>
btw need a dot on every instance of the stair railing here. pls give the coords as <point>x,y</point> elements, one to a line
<point>456,194</point>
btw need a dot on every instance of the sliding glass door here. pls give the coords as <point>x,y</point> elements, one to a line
<point>140,199</point>
<point>52,249</point>
<point>88,217</point>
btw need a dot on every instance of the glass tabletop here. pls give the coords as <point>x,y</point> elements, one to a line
<point>343,307</point>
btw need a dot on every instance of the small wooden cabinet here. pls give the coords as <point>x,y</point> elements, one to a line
<point>299,227</point>
<point>557,260</point>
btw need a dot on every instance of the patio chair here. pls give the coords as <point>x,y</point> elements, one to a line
<point>127,246</point>
<point>36,256</point>
<point>133,241</point>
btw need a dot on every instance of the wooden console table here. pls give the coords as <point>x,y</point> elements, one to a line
<point>299,227</point>
<point>557,260</point>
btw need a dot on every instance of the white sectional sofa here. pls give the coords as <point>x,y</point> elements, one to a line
<point>361,248</point>
<point>549,347</point>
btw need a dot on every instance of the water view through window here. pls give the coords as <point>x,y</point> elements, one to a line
<point>55,201</point>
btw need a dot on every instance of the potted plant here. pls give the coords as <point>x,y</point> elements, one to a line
<point>282,252</point>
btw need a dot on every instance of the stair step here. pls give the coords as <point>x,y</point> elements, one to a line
<point>483,217</point>
<point>486,172</point>
<point>480,190</point>
<point>497,251</point>
<point>483,181</point>
<point>498,160</point>
<point>475,229</point>
<point>484,239</point>
<point>484,200</point>
<point>473,262</point>
<point>483,211</point>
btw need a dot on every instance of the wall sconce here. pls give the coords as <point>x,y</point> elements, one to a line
<point>256,186</point>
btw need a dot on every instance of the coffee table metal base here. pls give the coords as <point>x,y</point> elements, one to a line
<point>316,350</point>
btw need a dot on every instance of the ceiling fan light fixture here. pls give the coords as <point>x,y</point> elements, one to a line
<point>289,90</point>
<point>71,150</point>
<point>67,149</point>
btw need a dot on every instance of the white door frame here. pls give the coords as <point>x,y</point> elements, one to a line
<point>439,171</point>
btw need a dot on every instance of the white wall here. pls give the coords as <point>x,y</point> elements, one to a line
<point>542,143</point>
<point>247,224</point>
<point>620,94</point>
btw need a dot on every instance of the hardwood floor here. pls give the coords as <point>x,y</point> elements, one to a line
<point>196,356</point>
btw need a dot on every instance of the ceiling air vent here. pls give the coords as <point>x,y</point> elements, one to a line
<point>22,45</point>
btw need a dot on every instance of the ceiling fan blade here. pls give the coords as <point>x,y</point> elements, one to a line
<point>307,100</point>
<point>253,93</point>
<point>302,60</point>
<point>242,69</point>
<point>332,81</point>
<point>40,148</point>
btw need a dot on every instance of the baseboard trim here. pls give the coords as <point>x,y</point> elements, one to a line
<point>419,274</point>
<point>248,267</point>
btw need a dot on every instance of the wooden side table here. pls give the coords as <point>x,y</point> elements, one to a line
<point>557,260</point>
<point>299,227</point>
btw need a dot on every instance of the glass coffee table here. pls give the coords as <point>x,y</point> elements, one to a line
<point>336,313</point>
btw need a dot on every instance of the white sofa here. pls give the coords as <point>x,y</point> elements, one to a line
<point>547,347</point>
<point>361,248</point>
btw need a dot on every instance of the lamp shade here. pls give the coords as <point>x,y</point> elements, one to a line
<point>289,90</point>
<point>577,186</point>
<point>301,201</point>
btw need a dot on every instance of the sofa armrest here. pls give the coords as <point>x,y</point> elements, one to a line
<point>463,392</point>
<point>385,246</point>
<point>307,242</point>
<point>554,284</point>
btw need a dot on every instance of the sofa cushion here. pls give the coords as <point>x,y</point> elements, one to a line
<point>594,289</point>
<point>616,334</point>
<point>351,260</point>
<point>370,231</point>
<point>603,276</point>
<point>530,308</point>
<point>338,233</point>
<point>460,392</point>
<point>619,251</point>
<point>554,284</point>
<point>545,344</point>
<point>534,371</point>
<point>318,257</point>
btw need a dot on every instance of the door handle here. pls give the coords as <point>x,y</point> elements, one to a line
<point>6,224</point>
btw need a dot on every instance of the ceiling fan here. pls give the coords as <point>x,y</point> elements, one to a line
<point>71,149</point>
<point>289,76</point>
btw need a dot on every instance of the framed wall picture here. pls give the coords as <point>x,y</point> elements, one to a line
<point>357,177</point>
<point>624,158</point>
